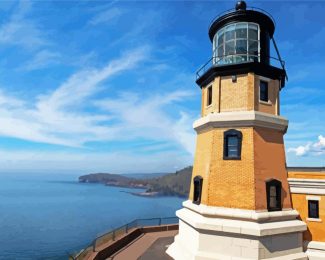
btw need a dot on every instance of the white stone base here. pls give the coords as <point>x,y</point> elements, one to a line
<point>316,250</point>
<point>210,237</point>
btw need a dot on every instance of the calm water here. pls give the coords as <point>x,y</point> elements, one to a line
<point>46,216</point>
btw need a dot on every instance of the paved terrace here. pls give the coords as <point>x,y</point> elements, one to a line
<point>147,247</point>
<point>145,243</point>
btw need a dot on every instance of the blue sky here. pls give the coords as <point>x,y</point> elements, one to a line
<point>110,86</point>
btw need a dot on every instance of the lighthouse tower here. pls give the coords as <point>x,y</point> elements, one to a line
<point>239,204</point>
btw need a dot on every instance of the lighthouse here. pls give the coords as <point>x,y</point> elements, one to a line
<point>239,205</point>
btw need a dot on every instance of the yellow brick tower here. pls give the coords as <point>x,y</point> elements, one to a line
<point>239,205</point>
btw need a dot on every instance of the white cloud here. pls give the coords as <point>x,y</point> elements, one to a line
<point>19,30</point>
<point>141,29</point>
<point>83,84</point>
<point>321,141</point>
<point>146,116</point>
<point>300,150</point>
<point>317,148</point>
<point>106,16</point>
<point>58,117</point>
<point>42,59</point>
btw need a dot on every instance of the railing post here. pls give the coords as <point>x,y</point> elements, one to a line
<point>94,245</point>
<point>126,228</point>
<point>113,235</point>
<point>159,221</point>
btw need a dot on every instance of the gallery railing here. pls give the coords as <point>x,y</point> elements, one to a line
<point>120,231</point>
<point>234,59</point>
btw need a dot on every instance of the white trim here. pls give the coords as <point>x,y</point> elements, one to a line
<point>315,250</point>
<point>268,103</point>
<point>307,191</point>
<point>313,198</point>
<point>316,245</point>
<point>243,214</point>
<point>241,119</point>
<point>314,219</point>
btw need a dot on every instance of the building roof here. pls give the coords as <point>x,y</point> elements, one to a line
<point>306,169</point>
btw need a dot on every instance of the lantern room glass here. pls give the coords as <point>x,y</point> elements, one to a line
<point>237,43</point>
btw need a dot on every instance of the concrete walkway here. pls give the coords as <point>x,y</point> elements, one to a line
<point>148,246</point>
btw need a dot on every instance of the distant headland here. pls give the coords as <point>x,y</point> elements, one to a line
<point>169,184</point>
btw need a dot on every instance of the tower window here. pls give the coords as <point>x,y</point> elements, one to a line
<point>197,191</point>
<point>313,209</point>
<point>232,145</point>
<point>264,91</point>
<point>209,96</point>
<point>273,195</point>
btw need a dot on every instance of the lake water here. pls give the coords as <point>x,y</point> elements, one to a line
<point>47,216</point>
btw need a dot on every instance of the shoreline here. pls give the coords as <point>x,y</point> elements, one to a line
<point>149,194</point>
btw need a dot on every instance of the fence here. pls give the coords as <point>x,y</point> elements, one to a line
<point>120,231</point>
<point>220,61</point>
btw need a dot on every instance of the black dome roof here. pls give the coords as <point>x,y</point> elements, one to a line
<point>242,14</point>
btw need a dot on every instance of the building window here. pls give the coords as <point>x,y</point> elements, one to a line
<point>313,209</point>
<point>197,191</point>
<point>273,195</point>
<point>264,91</point>
<point>232,145</point>
<point>209,96</point>
<point>236,43</point>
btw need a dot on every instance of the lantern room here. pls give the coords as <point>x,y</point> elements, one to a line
<point>241,42</point>
<point>242,35</point>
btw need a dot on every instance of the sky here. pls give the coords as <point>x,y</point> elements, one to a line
<point>109,86</point>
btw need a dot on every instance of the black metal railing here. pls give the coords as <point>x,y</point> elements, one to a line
<point>248,8</point>
<point>120,231</point>
<point>231,59</point>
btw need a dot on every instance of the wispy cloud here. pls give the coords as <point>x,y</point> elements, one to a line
<point>20,30</point>
<point>306,70</point>
<point>42,59</point>
<point>146,117</point>
<point>141,30</point>
<point>59,117</point>
<point>106,16</point>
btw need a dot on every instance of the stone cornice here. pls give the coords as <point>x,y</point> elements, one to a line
<point>241,119</point>
<point>201,222</point>
<point>307,186</point>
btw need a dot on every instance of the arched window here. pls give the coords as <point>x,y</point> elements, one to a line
<point>232,145</point>
<point>273,195</point>
<point>197,191</point>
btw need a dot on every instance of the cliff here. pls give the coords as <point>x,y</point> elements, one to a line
<point>172,184</point>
